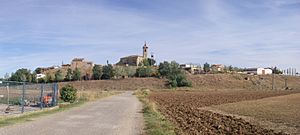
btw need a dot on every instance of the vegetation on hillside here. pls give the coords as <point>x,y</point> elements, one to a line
<point>174,74</point>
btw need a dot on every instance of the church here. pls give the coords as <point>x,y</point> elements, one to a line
<point>134,60</point>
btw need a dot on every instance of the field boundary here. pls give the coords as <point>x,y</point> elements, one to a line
<point>155,122</point>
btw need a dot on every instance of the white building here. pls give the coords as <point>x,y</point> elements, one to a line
<point>192,68</point>
<point>39,76</point>
<point>259,71</point>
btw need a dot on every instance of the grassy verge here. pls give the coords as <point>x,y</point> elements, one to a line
<point>156,123</point>
<point>83,98</point>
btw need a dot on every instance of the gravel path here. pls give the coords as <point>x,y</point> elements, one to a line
<point>116,115</point>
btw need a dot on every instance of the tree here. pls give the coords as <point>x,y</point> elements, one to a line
<point>206,67</point>
<point>33,78</point>
<point>276,71</point>
<point>97,72</point>
<point>108,72</point>
<point>174,74</point>
<point>38,70</point>
<point>164,68</point>
<point>76,75</point>
<point>230,68</point>
<point>69,75</point>
<point>59,76</point>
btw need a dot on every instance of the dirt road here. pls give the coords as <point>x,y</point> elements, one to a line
<point>117,115</point>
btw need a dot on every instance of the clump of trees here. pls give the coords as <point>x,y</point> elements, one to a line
<point>125,71</point>
<point>169,70</point>
<point>23,75</point>
<point>172,71</point>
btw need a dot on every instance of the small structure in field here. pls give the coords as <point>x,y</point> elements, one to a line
<point>258,71</point>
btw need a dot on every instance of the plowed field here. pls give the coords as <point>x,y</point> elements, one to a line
<point>184,110</point>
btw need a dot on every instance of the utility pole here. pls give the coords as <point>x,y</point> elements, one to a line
<point>285,83</point>
<point>273,81</point>
<point>23,98</point>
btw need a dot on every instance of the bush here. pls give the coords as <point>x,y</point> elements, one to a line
<point>68,93</point>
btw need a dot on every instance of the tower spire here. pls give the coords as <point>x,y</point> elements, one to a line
<point>145,50</point>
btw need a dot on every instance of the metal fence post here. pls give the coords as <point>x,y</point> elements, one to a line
<point>42,96</point>
<point>23,98</point>
<point>54,97</point>
<point>7,88</point>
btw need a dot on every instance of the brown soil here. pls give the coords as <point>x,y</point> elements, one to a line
<point>280,112</point>
<point>183,109</point>
<point>241,81</point>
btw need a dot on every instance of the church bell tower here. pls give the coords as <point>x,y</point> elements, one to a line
<point>145,50</point>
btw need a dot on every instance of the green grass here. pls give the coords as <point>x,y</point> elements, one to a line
<point>155,122</point>
<point>30,116</point>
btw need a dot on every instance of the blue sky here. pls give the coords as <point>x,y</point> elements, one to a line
<point>244,33</point>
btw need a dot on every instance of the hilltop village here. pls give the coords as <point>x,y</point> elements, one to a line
<point>86,67</point>
<point>129,66</point>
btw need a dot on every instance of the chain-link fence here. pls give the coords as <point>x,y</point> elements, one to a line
<point>16,97</point>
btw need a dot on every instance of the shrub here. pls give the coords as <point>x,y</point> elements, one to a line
<point>68,93</point>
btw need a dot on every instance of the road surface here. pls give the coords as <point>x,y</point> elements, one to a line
<point>116,115</point>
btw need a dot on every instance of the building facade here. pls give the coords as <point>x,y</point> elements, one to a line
<point>134,60</point>
<point>258,71</point>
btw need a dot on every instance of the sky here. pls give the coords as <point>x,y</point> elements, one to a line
<point>243,33</point>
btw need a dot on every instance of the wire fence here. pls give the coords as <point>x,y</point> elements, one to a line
<point>16,97</point>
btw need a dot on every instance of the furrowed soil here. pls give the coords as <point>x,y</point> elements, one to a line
<point>184,109</point>
<point>278,113</point>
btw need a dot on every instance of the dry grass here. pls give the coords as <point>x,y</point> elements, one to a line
<point>94,95</point>
<point>241,81</point>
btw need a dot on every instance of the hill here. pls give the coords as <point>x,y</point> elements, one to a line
<point>200,82</point>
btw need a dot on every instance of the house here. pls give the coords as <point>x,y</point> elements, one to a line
<point>134,60</point>
<point>39,76</point>
<point>218,67</point>
<point>258,71</point>
<point>192,68</point>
